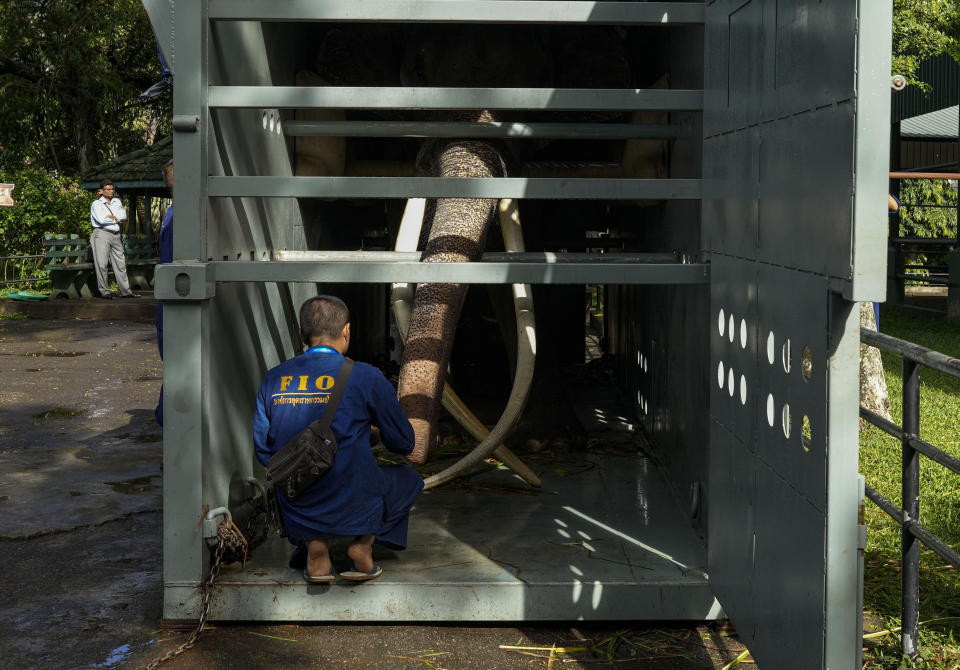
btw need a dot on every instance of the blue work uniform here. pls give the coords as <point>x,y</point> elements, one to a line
<point>356,496</point>
<point>165,247</point>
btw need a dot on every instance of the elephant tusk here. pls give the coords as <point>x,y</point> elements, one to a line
<point>526,357</point>
<point>401,295</point>
<point>401,298</point>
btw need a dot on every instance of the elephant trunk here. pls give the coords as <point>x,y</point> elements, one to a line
<point>457,232</point>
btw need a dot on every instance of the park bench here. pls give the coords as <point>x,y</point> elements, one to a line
<point>72,275</point>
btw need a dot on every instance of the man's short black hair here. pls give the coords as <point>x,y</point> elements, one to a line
<point>323,316</point>
<point>106,182</point>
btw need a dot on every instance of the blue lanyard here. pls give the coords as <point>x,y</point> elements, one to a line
<point>322,349</point>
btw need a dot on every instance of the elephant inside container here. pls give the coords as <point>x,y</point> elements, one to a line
<point>535,403</point>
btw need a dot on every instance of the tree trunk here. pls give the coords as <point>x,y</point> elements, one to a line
<point>873,385</point>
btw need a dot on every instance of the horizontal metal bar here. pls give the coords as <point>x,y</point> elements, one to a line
<point>883,424</point>
<point>932,359</point>
<point>925,175</point>
<point>373,97</point>
<point>924,447</point>
<point>439,187</point>
<point>8,258</point>
<point>576,131</point>
<point>24,281</point>
<point>546,257</point>
<point>883,503</point>
<point>913,527</point>
<point>934,454</point>
<point>941,548</point>
<point>380,272</point>
<point>445,11</point>
<point>924,278</point>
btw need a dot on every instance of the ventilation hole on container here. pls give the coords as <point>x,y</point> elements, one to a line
<point>639,358</point>
<point>743,333</point>
<point>273,123</point>
<point>639,398</point>
<point>785,420</point>
<point>730,381</point>
<point>720,374</point>
<point>771,348</point>
<point>279,127</point>
<point>263,120</point>
<point>771,408</point>
<point>731,333</point>
<point>743,390</point>
<point>646,407</point>
<point>785,355</point>
<point>644,363</point>
<point>806,433</point>
<point>721,322</point>
<point>806,363</point>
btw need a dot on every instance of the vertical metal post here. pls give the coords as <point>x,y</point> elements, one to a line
<point>910,548</point>
<point>187,345</point>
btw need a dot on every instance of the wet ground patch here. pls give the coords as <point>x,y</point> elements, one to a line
<point>58,413</point>
<point>135,485</point>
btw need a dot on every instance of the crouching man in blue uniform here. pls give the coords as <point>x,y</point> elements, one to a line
<point>357,497</point>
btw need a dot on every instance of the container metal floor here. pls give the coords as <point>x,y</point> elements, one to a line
<point>602,540</point>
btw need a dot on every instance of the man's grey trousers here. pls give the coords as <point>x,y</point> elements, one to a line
<point>108,247</point>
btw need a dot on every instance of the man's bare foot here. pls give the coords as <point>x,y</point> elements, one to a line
<point>360,552</point>
<point>318,558</point>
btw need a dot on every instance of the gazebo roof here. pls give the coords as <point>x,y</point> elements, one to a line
<point>138,170</point>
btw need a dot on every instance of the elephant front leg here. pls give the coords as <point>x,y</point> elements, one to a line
<point>457,234</point>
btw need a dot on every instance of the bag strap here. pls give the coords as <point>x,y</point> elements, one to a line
<point>339,385</point>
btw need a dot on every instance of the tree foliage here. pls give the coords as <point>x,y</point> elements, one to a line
<point>70,72</point>
<point>922,29</point>
<point>43,203</point>
<point>930,208</point>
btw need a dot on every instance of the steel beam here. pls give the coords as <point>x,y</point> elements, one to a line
<point>382,272</point>
<point>373,97</point>
<point>575,131</point>
<point>436,11</point>
<point>448,187</point>
<point>548,257</point>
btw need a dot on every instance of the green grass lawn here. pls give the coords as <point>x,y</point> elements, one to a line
<point>939,501</point>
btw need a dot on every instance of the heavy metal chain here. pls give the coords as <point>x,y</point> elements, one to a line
<point>228,537</point>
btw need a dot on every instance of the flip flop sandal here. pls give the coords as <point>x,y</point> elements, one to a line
<point>357,576</point>
<point>322,579</point>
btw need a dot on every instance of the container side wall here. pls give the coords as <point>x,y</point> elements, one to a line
<point>791,240</point>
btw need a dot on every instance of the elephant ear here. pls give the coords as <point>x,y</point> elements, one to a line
<point>647,159</point>
<point>319,156</point>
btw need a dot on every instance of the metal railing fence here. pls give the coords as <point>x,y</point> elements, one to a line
<point>12,272</point>
<point>922,260</point>
<point>912,533</point>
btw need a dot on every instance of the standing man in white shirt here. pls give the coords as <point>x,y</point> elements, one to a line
<point>106,214</point>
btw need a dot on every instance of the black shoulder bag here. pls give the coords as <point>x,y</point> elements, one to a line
<point>307,457</point>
